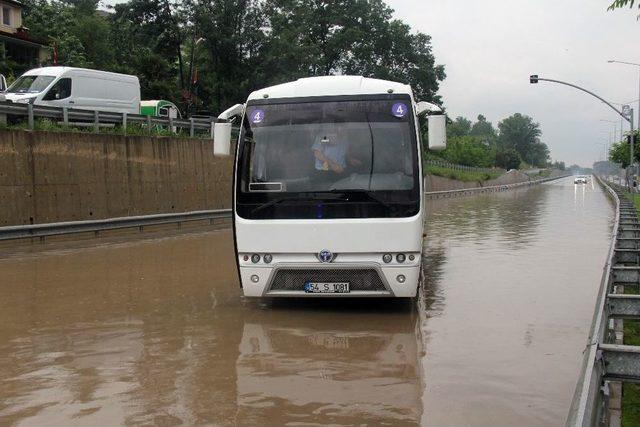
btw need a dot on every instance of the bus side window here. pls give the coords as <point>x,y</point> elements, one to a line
<point>60,90</point>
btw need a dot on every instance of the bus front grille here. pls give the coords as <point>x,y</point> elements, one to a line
<point>360,279</point>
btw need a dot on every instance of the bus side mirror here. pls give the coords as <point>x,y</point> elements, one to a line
<point>222,139</point>
<point>437,132</point>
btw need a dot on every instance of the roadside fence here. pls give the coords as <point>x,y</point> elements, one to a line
<point>445,164</point>
<point>96,119</point>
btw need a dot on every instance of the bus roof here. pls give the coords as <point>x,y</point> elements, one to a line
<point>331,86</point>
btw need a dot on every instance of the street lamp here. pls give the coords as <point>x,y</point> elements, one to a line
<point>621,105</point>
<point>613,61</point>
<point>614,128</point>
<point>605,147</point>
<point>626,113</point>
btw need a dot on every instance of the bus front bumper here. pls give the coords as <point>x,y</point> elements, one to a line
<point>364,279</point>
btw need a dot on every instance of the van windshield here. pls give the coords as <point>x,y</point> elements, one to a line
<point>30,84</point>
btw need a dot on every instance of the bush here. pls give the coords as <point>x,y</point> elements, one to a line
<point>468,151</point>
<point>508,159</point>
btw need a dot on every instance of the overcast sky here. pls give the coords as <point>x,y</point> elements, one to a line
<point>490,47</point>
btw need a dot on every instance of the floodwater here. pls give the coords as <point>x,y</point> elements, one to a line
<point>154,331</point>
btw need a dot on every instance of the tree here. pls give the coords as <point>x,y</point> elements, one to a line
<point>459,127</point>
<point>148,34</point>
<point>619,152</point>
<point>322,37</point>
<point>618,4</point>
<point>508,159</point>
<point>484,130</point>
<point>468,151</point>
<point>521,133</point>
<point>237,46</point>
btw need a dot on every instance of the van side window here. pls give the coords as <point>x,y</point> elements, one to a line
<point>163,112</point>
<point>60,90</point>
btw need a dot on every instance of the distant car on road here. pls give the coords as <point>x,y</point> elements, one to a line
<point>580,179</point>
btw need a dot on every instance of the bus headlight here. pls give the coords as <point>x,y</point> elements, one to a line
<point>255,278</point>
<point>268,258</point>
<point>400,278</point>
<point>387,258</point>
<point>400,258</point>
<point>255,258</point>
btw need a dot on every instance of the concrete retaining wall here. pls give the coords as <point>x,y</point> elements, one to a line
<point>438,183</point>
<point>48,177</point>
<point>52,177</point>
<point>430,195</point>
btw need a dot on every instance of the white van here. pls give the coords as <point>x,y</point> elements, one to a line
<point>77,88</point>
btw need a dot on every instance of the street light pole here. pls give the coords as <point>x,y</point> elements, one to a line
<point>635,64</point>
<point>613,61</point>
<point>614,128</point>
<point>533,79</point>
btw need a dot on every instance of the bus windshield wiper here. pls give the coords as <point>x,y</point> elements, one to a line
<point>366,193</point>
<point>316,196</point>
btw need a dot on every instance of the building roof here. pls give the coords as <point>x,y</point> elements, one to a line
<point>331,86</point>
<point>14,2</point>
<point>21,39</point>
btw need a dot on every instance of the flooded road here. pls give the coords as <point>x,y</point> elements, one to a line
<point>155,331</point>
<point>510,292</point>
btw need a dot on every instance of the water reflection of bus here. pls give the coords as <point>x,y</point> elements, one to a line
<point>328,188</point>
<point>329,368</point>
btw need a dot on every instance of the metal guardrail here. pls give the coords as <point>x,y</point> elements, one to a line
<point>490,189</point>
<point>72,227</point>
<point>58,228</point>
<point>69,116</point>
<point>445,164</point>
<point>607,362</point>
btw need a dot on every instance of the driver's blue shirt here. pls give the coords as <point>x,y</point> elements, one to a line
<point>335,151</point>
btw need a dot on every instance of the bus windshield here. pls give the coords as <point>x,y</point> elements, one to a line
<point>30,84</point>
<point>348,155</point>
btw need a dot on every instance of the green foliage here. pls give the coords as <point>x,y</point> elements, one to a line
<point>558,165</point>
<point>459,127</point>
<point>508,159</point>
<point>484,130</point>
<point>237,46</point>
<point>468,151</point>
<point>630,403</point>
<point>133,129</point>
<point>619,152</point>
<point>520,133</point>
<point>515,144</point>
<point>462,175</point>
<point>618,4</point>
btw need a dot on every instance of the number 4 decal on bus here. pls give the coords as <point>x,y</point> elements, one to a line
<point>399,109</point>
<point>257,116</point>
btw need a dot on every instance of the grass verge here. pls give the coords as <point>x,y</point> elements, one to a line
<point>461,175</point>
<point>630,405</point>
<point>630,391</point>
<point>133,129</point>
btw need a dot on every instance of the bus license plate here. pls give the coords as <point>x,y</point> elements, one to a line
<point>326,287</point>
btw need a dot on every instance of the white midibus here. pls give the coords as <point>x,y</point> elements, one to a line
<point>328,189</point>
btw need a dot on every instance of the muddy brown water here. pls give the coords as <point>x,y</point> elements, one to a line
<point>155,331</point>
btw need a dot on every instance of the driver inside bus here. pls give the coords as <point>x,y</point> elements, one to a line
<point>331,150</point>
